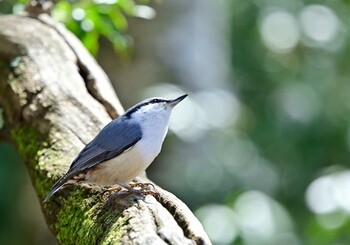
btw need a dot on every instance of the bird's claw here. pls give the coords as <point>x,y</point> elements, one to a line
<point>143,189</point>
<point>111,190</point>
<point>143,185</point>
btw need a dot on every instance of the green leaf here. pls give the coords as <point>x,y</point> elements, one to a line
<point>127,6</point>
<point>118,19</point>
<point>121,44</point>
<point>103,18</point>
<point>90,40</point>
<point>62,12</point>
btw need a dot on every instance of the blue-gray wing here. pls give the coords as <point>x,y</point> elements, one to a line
<point>116,137</point>
<point>113,139</point>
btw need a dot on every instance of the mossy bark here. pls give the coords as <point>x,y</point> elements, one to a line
<point>55,98</point>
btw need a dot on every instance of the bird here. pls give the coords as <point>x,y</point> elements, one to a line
<point>124,148</point>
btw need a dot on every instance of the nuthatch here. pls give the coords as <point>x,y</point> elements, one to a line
<point>124,148</point>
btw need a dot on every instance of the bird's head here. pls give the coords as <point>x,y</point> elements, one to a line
<point>154,107</point>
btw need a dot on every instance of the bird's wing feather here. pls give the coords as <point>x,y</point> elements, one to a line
<point>112,140</point>
<point>116,137</point>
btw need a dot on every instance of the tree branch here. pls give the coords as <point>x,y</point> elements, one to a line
<point>55,100</point>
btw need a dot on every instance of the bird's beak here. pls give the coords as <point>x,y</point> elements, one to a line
<point>176,101</point>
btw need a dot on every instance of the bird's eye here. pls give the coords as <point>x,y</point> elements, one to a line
<point>156,100</point>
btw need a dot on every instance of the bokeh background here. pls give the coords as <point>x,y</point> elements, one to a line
<point>260,149</point>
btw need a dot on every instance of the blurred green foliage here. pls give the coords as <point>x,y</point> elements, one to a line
<point>90,20</point>
<point>11,173</point>
<point>290,62</point>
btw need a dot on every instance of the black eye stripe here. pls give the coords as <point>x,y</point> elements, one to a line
<point>153,101</point>
<point>156,101</point>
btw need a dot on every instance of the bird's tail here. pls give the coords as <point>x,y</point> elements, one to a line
<point>53,191</point>
<point>57,186</point>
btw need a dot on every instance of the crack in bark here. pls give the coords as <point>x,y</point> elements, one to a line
<point>158,227</point>
<point>84,71</point>
<point>159,233</point>
<point>180,217</point>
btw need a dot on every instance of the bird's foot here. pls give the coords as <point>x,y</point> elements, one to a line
<point>145,189</point>
<point>113,191</point>
<point>143,186</point>
<point>114,188</point>
<point>142,189</point>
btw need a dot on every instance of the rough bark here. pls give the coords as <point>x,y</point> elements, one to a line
<point>55,99</point>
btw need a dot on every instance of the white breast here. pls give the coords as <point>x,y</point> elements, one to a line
<point>121,169</point>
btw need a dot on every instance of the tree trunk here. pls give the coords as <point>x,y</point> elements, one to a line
<point>55,99</point>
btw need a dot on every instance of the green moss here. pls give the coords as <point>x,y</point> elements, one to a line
<point>116,232</point>
<point>83,221</point>
<point>28,142</point>
<point>77,219</point>
<point>30,145</point>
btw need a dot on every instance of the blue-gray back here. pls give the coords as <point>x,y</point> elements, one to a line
<point>112,140</point>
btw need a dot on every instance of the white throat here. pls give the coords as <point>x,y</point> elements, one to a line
<point>154,121</point>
